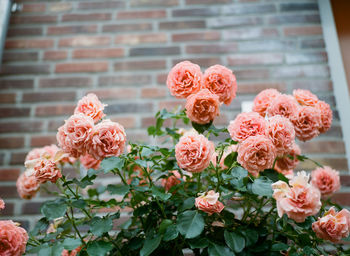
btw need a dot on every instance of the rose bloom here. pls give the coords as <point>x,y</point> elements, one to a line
<point>27,185</point>
<point>89,162</point>
<point>35,153</point>
<point>13,239</point>
<point>72,253</point>
<point>222,82</point>
<point>326,180</point>
<point>90,106</point>
<point>46,170</point>
<point>2,204</point>
<point>287,163</point>
<point>172,180</point>
<point>256,154</point>
<point>202,107</point>
<point>228,151</point>
<point>246,125</point>
<point>184,79</point>
<point>326,116</point>
<point>263,100</point>
<point>281,132</point>
<point>107,139</point>
<point>299,199</point>
<point>306,123</point>
<point>193,152</point>
<point>333,226</point>
<point>283,105</point>
<point>305,97</point>
<point>209,203</point>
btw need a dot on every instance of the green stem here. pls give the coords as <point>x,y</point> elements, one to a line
<point>199,183</point>
<point>74,225</point>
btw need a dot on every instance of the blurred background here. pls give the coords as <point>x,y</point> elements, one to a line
<point>54,52</point>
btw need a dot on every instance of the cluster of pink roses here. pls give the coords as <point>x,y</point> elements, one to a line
<point>204,92</point>
<point>309,115</point>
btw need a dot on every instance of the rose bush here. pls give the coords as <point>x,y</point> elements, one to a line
<point>206,190</point>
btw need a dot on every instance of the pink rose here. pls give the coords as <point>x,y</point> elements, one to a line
<point>90,106</point>
<point>46,170</point>
<point>209,203</point>
<point>333,226</point>
<point>27,185</point>
<point>222,82</point>
<point>228,151</point>
<point>246,125</point>
<point>306,123</point>
<point>108,139</point>
<point>193,152</point>
<point>299,199</point>
<point>256,154</point>
<point>184,79</point>
<point>2,204</point>
<point>326,116</point>
<point>202,107</point>
<point>305,97</point>
<point>72,253</point>
<point>263,100</point>
<point>283,105</point>
<point>13,238</point>
<point>172,180</point>
<point>281,132</point>
<point>326,180</point>
<point>89,162</point>
<point>289,161</point>
<point>35,153</point>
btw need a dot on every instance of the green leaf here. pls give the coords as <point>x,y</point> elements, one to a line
<point>164,225</point>
<point>239,173</point>
<point>200,242</point>
<point>229,160</point>
<point>112,163</point>
<point>187,204</point>
<point>171,233</point>
<point>279,247</point>
<point>201,128</point>
<point>160,194</point>
<point>71,243</point>
<point>145,152</point>
<point>98,225</point>
<point>262,187</point>
<point>235,241</point>
<point>141,163</point>
<point>99,248</point>
<point>150,245</point>
<point>218,250</point>
<point>80,203</point>
<point>57,249</point>
<point>54,209</point>
<point>251,236</point>
<point>190,224</point>
<point>118,189</point>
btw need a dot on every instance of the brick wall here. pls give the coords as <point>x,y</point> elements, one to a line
<point>57,51</point>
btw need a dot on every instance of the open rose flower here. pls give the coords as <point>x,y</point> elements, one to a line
<point>27,185</point>
<point>209,202</point>
<point>299,199</point>
<point>307,123</point>
<point>35,153</point>
<point>256,154</point>
<point>281,132</point>
<point>184,79</point>
<point>107,139</point>
<point>326,116</point>
<point>283,105</point>
<point>193,152</point>
<point>89,162</point>
<point>90,106</point>
<point>263,100</point>
<point>326,180</point>
<point>246,125</point>
<point>172,180</point>
<point>202,107</point>
<point>305,97</point>
<point>2,204</point>
<point>13,239</point>
<point>287,163</point>
<point>222,82</point>
<point>72,253</point>
<point>46,170</point>
<point>333,226</point>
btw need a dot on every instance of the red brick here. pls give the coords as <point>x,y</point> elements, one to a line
<point>116,93</point>
<point>9,210</point>
<point>196,36</point>
<point>34,8</point>
<point>154,92</point>
<point>87,17</point>
<point>7,98</point>
<point>14,112</point>
<point>56,110</point>
<point>341,198</point>
<point>42,140</point>
<point>9,174</point>
<point>127,121</point>
<point>333,147</point>
<point>33,19</point>
<point>255,59</point>
<point>203,62</point>
<point>248,74</point>
<point>154,2</point>
<point>170,25</point>
<point>313,85</point>
<point>98,53</point>
<point>141,38</point>
<point>74,29</point>
<point>101,5</point>
<point>336,163</point>
<point>345,180</point>
<point>81,67</point>
<point>30,31</point>
<point>127,27</point>
<point>207,1</point>
<point>302,31</point>
<point>8,191</point>
<point>47,96</point>
<point>301,71</point>
<point>255,88</point>
<point>85,41</point>
<point>28,43</point>
<point>249,33</point>
<point>212,48</point>
<point>124,80</point>
<point>60,7</point>
<point>65,82</point>
<point>306,57</point>
<point>20,126</point>
<point>140,65</point>
<point>55,55</point>
<point>24,69</point>
<point>149,14</point>
<point>16,84</point>
<point>10,56</point>
<point>161,78</point>
<point>55,124</point>
<point>171,104</point>
<point>11,142</point>
<point>30,208</point>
